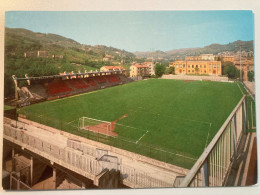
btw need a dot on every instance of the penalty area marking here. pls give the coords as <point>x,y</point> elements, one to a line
<point>141,137</point>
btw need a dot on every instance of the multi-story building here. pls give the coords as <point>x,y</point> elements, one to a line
<point>36,54</point>
<point>228,58</point>
<point>245,64</point>
<point>151,66</point>
<point>57,56</point>
<point>209,57</point>
<point>202,57</point>
<point>139,70</point>
<point>195,65</point>
<point>111,68</point>
<point>108,58</point>
<point>42,54</point>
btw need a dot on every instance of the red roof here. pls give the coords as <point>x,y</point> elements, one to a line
<point>114,67</point>
<point>141,66</point>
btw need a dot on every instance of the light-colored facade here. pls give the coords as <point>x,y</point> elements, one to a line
<point>197,67</point>
<point>209,57</point>
<point>228,58</point>
<point>139,70</point>
<point>247,64</point>
<point>151,66</point>
<point>202,57</point>
<point>42,53</point>
<point>111,68</point>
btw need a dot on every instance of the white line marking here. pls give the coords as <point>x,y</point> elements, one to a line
<point>129,127</point>
<point>141,137</point>
<point>72,121</point>
<point>207,136</point>
<point>240,89</point>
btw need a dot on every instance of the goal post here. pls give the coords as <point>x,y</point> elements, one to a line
<point>94,125</point>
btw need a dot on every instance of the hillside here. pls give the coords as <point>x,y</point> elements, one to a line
<point>213,49</point>
<point>72,56</point>
<point>18,41</point>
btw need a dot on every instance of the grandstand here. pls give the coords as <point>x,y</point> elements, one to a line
<point>63,85</point>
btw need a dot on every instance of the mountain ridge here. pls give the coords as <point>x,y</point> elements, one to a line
<point>214,48</point>
<point>47,39</point>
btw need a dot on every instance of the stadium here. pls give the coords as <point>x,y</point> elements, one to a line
<point>171,121</point>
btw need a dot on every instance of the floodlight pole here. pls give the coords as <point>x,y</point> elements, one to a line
<point>240,65</point>
<point>16,97</point>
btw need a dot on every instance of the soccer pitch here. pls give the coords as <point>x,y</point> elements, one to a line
<point>169,120</point>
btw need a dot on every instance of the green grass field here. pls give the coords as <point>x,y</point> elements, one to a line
<point>169,120</point>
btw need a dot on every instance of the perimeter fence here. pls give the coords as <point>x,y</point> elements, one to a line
<point>165,155</point>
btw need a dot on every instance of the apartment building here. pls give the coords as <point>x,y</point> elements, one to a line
<point>197,65</point>
<point>139,70</point>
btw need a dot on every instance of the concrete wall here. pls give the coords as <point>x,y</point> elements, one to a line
<point>122,152</point>
<point>198,78</point>
<point>80,156</point>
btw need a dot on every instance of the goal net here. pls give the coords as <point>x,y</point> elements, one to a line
<point>95,125</point>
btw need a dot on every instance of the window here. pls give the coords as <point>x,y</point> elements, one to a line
<point>188,70</point>
<point>200,66</point>
<point>210,66</point>
<point>189,66</point>
<point>183,65</point>
<point>192,70</point>
<point>204,71</point>
<point>180,66</point>
<point>214,66</point>
<point>204,66</point>
<point>192,66</point>
<point>196,66</point>
<point>218,66</point>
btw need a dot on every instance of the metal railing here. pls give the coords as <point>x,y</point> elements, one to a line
<point>215,162</point>
<point>182,159</point>
<point>79,160</point>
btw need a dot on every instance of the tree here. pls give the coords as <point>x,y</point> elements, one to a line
<point>159,70</point>
<point>171,70</point>
<point>231,71</point>
<point>227,63</point>
<point>250,76</point>
<point>196,70</point>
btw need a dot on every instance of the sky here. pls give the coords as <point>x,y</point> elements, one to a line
<point>140,30</point>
